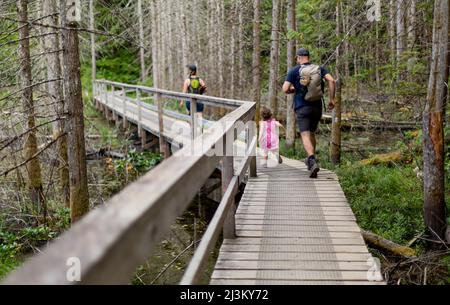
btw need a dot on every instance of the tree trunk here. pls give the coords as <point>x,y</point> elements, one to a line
<point>55,90</point>
<point>242,81</point>
<point>221,47</point>
<point>274,57</point>
<point>79,195</point>
<point>256,62</point>
<point>141,41</point>
<point>400,29</point>
<point>411,23</point>
<point>291,44</point>
<point>33,167</point>
<point>433,127</point>
<point>335,147</point>
<point>391,27</point>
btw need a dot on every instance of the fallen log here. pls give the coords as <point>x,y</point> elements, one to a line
<point>104,152</point>
<point>384,159</point>
<point>385,244</point>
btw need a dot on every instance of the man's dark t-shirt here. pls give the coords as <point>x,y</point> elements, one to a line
<point>300,91</point>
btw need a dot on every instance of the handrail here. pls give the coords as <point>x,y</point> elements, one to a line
<point>108,243</point>
<point>205,99</point>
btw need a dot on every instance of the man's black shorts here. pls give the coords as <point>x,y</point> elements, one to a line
<point>308,118</point>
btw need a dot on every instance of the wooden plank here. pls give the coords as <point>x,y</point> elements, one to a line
<point>298,213</point>
<point>344,257</point>
<point>295,222</point>
<point>291,275</point>
<point>288,216</point>
<point>248,233</point>
<point>291,265</point>
<point>296,228</point>
<point>289,204</point>
<point>227,282</point>
<point>295,241</point>
<point>295,248</point>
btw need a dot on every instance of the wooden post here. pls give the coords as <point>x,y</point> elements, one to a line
<point>229,226</point>
<point>124,101</point>
<point>193,111</point>
<point>251,133</point>
<point>335,147</point>
<point>139,105</point>
<point>163,148</point>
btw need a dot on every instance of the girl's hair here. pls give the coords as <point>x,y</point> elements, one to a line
<point>266,113</point>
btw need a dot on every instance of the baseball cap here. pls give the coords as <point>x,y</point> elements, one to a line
<point>192,67</point>
<point>302,52</point>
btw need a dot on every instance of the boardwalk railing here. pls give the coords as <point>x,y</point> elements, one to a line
<point>107,245</point>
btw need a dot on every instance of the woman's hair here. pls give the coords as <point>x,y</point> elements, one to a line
<point>266,113</point>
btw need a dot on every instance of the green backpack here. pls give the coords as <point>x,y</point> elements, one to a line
<point>194,85</point>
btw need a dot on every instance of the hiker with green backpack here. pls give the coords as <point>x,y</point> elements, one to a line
<point>193,85</point>
<point>306,81</point>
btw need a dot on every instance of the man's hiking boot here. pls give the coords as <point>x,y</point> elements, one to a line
<point>313,167</point>
<point>307,163</point>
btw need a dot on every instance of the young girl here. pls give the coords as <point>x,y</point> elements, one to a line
<point>269,137</point>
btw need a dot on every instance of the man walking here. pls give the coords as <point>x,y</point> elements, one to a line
<point>306,81</point>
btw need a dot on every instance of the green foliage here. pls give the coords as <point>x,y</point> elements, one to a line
<point>138,162</point>
<point>386,201</point>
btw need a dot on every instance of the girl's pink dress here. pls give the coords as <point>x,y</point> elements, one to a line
<point>269,139</point>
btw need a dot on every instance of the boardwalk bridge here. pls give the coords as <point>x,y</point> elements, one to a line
<point>286,229</point>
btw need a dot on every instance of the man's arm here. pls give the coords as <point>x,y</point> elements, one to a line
<point>288,88</point>
<point>331,89</point>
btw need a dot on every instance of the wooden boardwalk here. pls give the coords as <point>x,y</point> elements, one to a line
<point>294,230</point>
<point>290,229</point>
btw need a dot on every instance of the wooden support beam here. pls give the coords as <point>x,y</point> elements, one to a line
<point>229,228</point>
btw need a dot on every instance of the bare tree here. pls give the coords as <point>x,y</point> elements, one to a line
<point>274,56</point>
<point>290,113</point>
<point>256,62</point>
<point>433,125</point>
<point>55,90</point>
<point>79,195</point>
<point>31,150</point>
<point>141,41</point>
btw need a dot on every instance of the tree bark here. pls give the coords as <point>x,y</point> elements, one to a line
<point>256,61</point>
<point>391,27</point>
<point>433,125</point>
<point>335,146</point>
<point>141,41</point>
<point>291,45</point>
<point>33,167</point>
<point>55,90</point>
<point>242,80</point>
<point>400,29</point>
<point>274,57</point>
<point>79,195</point>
